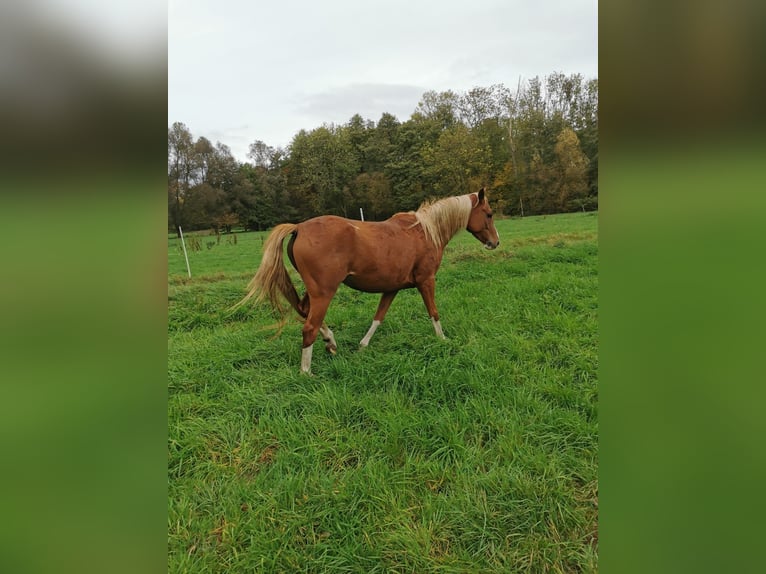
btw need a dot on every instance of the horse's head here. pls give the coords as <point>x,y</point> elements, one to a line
<point>480,222</point>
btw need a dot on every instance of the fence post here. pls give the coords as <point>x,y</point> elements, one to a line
<point>188,269</point>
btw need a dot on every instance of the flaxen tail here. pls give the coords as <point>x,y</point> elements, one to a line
<point>272,280</point>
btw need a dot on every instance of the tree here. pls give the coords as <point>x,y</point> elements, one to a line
<point>536,148</point>
<point>358,131</point>
<point>204,154</point>
<point>571,176</point>
<point>439,107</point>
<point>455,161</point>
<point>222,168</point>
<point>321,166</point>
<point>380,148</point>
<point>410,185</point>
<point>372,192</point>
<point>203,204</point>
<point>181,166</point>
<point>261,154</point>
<point>481,104</point>
<point>226,221</point>
<point>588,133</point>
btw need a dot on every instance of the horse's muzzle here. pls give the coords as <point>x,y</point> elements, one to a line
<point>490,245</point>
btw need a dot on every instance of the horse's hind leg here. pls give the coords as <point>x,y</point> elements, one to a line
<point>311,327</point>
<point>329,339</point>
<point>385,303</point>
<point>327,335</point>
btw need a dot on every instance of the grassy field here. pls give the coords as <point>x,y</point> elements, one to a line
<point>474,454</point>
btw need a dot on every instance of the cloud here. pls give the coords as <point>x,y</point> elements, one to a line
<point>370,100</point>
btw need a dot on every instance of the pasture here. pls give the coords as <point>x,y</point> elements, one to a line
<point>474,454</point>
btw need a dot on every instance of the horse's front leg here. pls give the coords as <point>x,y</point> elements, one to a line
<point>427,290</point>
<point>385,303</point>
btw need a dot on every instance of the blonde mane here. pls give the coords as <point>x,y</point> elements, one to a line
<point>441,219</point>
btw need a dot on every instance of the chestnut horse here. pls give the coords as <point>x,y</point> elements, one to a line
<point>377,257</point>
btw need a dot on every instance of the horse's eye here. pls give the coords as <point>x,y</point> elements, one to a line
<point>489,216</point>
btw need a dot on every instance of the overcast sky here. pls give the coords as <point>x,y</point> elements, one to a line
<point>240,71</point>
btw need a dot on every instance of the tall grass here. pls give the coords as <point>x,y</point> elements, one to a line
<point>474,454</point>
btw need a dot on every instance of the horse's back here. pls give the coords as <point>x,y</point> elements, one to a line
<point>333,228</point>
<point>366,255</point>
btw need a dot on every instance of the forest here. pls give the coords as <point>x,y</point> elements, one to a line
<point>535,149</point>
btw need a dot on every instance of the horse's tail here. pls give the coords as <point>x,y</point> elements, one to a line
<point>272,278</point>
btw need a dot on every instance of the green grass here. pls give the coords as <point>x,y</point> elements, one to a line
<point>475,454</point>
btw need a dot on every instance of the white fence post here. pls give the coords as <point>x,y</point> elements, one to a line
<point>188,269</point>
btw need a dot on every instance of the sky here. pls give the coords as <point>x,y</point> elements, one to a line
<point>241,71</point>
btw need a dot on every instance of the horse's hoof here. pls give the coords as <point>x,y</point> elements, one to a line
<point>332,349</point>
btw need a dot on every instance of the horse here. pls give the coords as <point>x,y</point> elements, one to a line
<point>384,257</point>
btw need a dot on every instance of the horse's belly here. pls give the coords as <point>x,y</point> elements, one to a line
<point>376,284</point>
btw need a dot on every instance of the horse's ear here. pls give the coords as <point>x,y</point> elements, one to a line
<point>481,195</point>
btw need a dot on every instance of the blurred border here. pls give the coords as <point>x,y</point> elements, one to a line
<point>83,95</point>
<point>682,313</point>
<point>83,353</point>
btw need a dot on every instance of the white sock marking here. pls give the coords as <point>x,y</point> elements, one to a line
<point>366,341</point>
<point>438,328</point>
<point>306,359</point>
<point>326,333</point>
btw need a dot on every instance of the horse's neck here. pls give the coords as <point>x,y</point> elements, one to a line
<point>408,221</point>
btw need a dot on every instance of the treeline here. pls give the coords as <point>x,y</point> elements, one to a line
<point>535,149</point>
